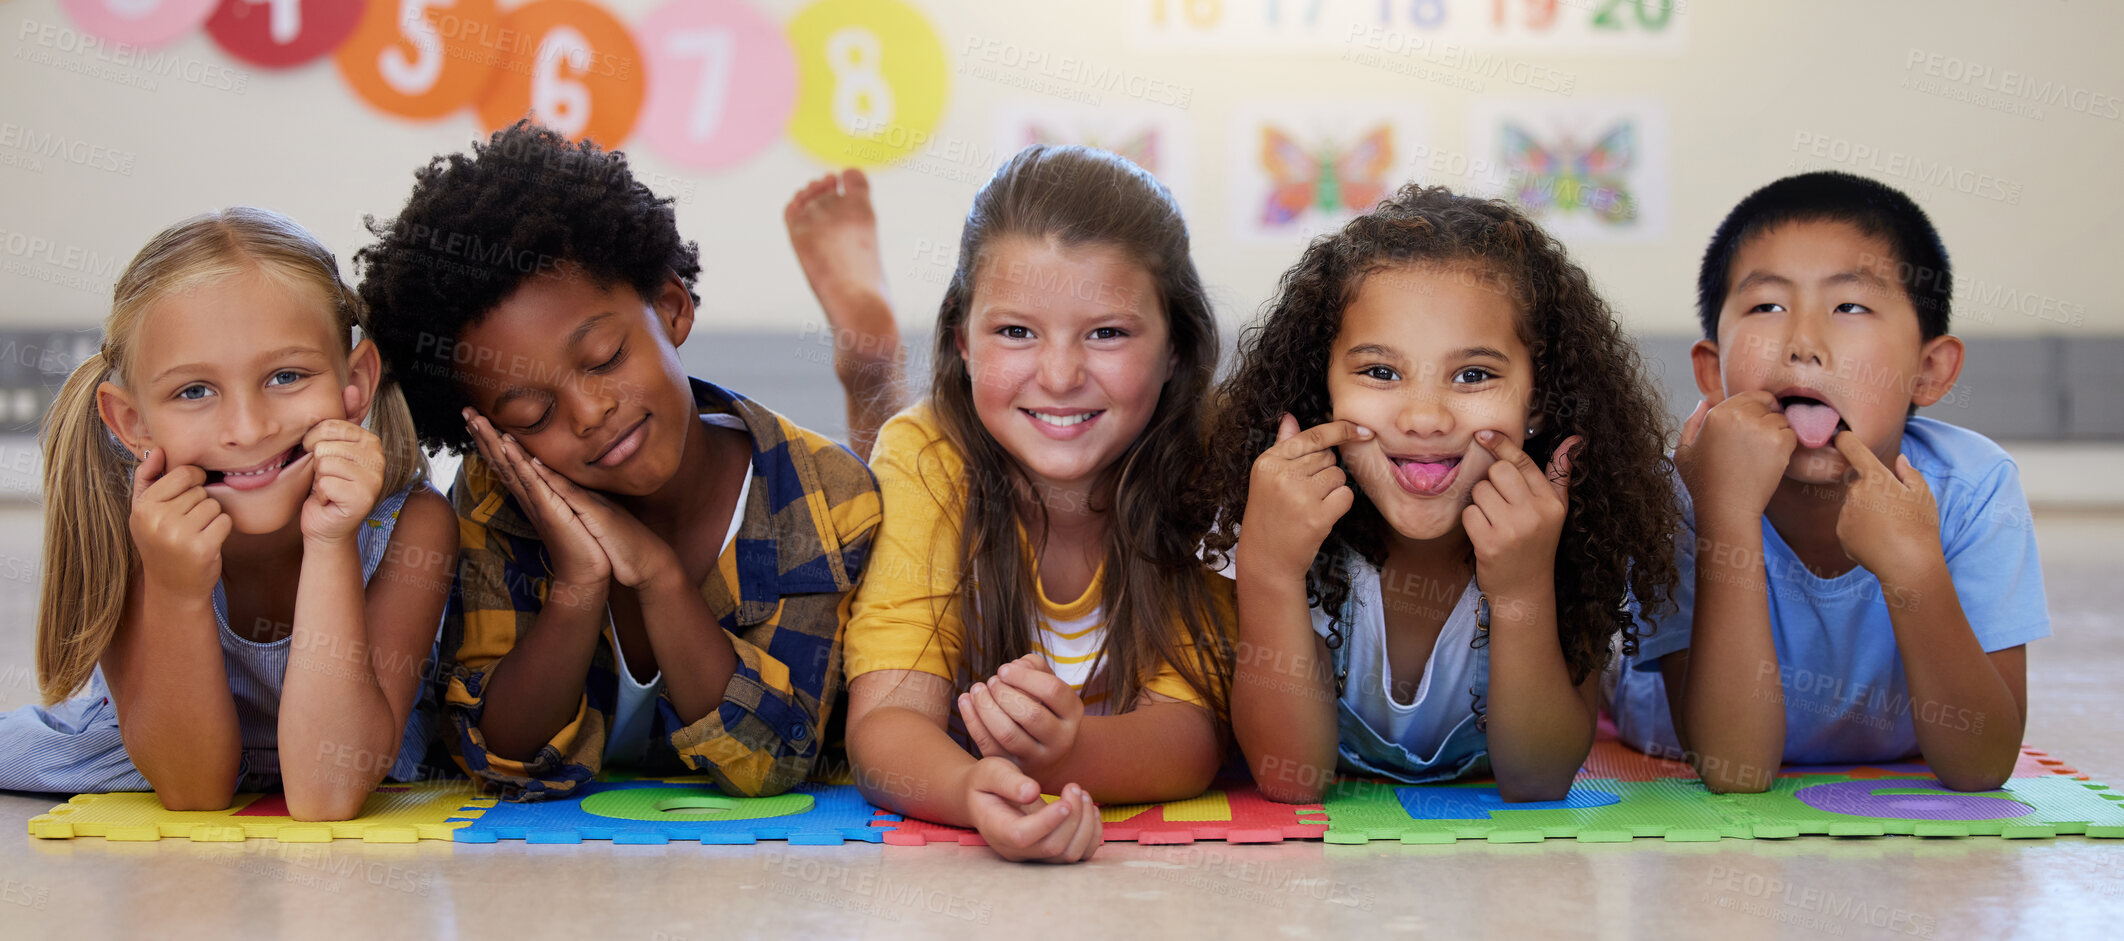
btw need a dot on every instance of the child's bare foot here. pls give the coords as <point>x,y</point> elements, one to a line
<point>835,234</point>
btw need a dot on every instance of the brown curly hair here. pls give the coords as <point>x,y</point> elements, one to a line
<point>1617,540</point>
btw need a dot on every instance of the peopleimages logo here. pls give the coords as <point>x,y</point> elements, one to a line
<point>2013,84</point>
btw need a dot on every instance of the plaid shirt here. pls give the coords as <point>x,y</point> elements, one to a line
<point>807,528</point>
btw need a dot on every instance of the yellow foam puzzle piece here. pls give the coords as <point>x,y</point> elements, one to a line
<point>1211,806</point>
<point>393,814</point>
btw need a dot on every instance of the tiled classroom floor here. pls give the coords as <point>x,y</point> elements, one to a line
<point>1885,887</point>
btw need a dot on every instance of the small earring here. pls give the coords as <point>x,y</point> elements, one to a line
<point>1531,432</point>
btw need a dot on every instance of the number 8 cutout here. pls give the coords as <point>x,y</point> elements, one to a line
<point>870,81</point>
<point>568,65</point>
<point>722,82</point>
<point>420,59</point>
<point>280,34</point>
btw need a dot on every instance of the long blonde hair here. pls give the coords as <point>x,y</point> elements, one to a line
<point>88,485</point>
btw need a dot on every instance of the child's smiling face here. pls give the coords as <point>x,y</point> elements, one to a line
<point>228,376</point>
<point>1816,315</point>
<point>587,378</point>
<point>1428,356</point>
<point>1068,349</point>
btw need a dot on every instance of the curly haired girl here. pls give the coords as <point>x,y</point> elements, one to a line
<point>1431,572</point>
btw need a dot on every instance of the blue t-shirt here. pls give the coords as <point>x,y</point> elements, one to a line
<point>1846,698</point>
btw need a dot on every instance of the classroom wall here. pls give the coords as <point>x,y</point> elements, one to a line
<point>2004,122</point>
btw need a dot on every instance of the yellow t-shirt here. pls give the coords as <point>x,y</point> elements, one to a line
<point>904,616</point>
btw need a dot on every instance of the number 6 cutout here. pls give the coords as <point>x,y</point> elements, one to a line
<point>420,59</point>
<point>722,82</point>
<point>568,65</point>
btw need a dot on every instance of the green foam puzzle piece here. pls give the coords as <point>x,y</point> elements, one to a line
<point>1682,810</point>
<point>1673,809</point>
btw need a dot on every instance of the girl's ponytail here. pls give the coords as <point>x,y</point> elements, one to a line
<point>88,559</point>
<point>392,421</point>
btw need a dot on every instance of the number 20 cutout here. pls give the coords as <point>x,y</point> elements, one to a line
<point>280,34</point>
<point>568,65</point>
<point>722,82</point>
<point>870,81</point>
<point>421,59</point>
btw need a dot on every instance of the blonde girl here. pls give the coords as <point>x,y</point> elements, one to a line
<point>243,583</point>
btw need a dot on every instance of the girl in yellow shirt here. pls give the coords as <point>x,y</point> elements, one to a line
<point>1035,618</point>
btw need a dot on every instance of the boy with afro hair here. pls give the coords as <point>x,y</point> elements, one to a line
<point>655,570</point>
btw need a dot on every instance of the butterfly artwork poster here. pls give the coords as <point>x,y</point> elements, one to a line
<point>1587,171</point>
<point>1156,139</point>
<point>1302,169</point>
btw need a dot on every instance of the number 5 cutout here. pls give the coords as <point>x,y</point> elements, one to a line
<point>421,59</point>
<point>722,82</point>
<point>279,34</point>
<point>870,81</point>
<point>568,65</point>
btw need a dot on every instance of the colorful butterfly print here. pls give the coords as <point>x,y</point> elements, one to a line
<point>1330,179</point>
<point>1570,179</point>
<point>1141,149</point>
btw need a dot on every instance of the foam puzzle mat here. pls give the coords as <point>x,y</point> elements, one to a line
<point>1237,815</point>
<point>1619,795</point>
<point>1623,795</point>
<point>679,809</point>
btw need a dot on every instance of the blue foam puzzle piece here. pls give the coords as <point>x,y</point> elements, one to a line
<point>1483,803</point>
<point>837,813</point>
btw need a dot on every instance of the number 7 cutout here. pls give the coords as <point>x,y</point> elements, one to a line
<point>722,82</point>
<point>420,59</point>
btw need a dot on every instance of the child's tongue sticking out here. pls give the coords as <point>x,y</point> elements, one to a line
<point>1426,477</point>
<point>1814,422</point>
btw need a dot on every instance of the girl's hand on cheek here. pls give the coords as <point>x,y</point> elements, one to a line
<point>1517,516</point>
<point>1294,497</point>
<point>176,527</point>
<point>577,560</point>
<point>347,462</point>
